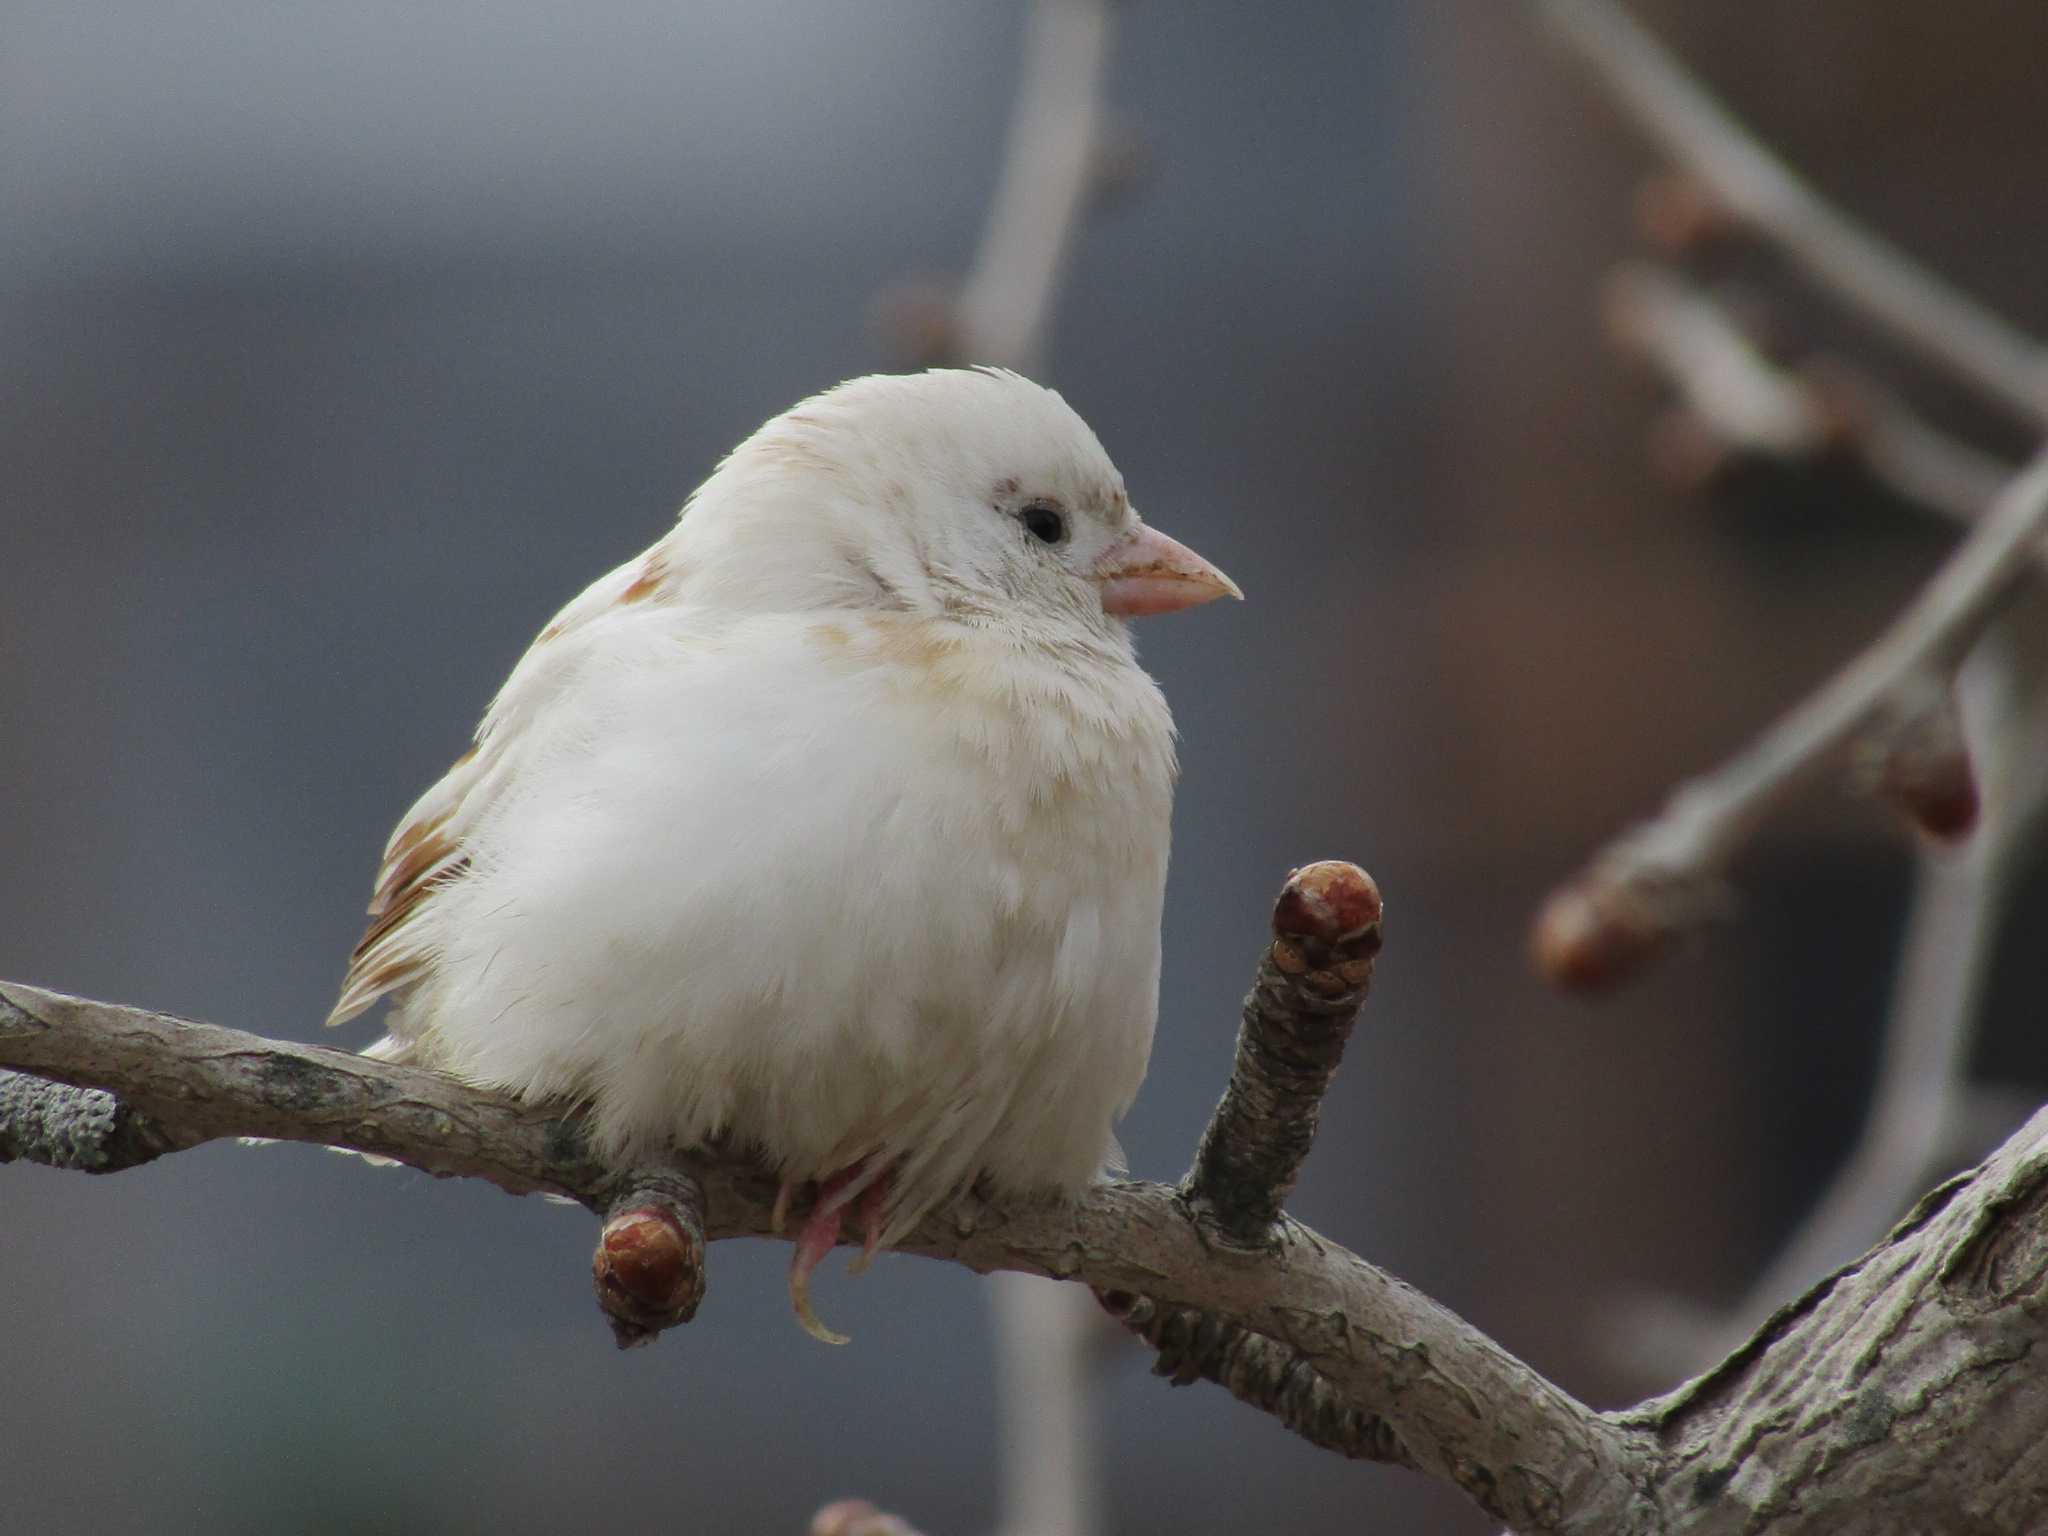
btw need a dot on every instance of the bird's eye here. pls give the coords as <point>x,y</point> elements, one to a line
<point>1044,523</point>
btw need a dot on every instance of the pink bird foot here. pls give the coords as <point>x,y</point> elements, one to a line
<point>820,1234</point>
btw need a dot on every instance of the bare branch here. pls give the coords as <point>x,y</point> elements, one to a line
<point>1746,403</point>
<point>1917,461</point>
<point>1913,1345</point>
<point>1462,1408</point>
<point>1049,1340</point>
<point>1311,984</point>
<point>1654,880</point>
<point>1044,189</point>
<point>1060,157</point>
<point>2005,365</point>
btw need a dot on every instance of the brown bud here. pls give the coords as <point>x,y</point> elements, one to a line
<point>1330,903</point>
<point>1589,936</point>
<point>856,1517</point>
<point>1840,400</point>
<point>1920,766</point>
<point>648,1271</point>
<point>1944,807</point>
<point>1677,212</point>
<point>1684,449</point>
<point>919,322</point>
<point>1117,1304</point>
<point>1353,973</point>
<point>1288,958</point>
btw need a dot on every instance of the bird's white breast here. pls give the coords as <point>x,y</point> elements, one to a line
<point>844,886</point>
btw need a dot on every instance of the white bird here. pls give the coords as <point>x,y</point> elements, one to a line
<point>836,823</point>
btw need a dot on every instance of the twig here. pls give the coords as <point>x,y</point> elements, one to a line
<point>1048,168</point>
<point>1749,404</point>
<point>1919,462</point>
<point>1311,983</point>
<point>1741,400</point>
<point>2003,364</point>
<point>1648,884</point>
<point>1922,1098</point>
<point>1058,160</point>
<point>1925,1114</point>
<point>1047,1342</point>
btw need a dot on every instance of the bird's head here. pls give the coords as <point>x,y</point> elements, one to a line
<point>968,493</point>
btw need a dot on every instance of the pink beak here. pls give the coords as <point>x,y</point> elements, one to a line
<point>1149,573</point>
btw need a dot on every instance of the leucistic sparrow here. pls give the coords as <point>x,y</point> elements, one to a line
<point>835,823</point>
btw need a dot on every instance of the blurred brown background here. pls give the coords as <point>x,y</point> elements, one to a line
<point>340,345</point>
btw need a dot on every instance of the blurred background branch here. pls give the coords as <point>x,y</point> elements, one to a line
<point>1952,329</point>
<point>1924,1112</point>
<point>1050,165</point>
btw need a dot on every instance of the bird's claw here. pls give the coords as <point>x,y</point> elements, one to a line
<point>820,1233</point>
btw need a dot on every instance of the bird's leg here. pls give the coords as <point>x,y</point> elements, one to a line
<point>819,1234</point>
<point>871,1203</point>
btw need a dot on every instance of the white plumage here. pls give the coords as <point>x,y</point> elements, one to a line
<point>836,822</point>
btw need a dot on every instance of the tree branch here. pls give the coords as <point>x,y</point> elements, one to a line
<point>1745,403</point>
<point>1049,165</point>
<point>1655,880</point>
<point>1311,984</point>
<point>1913,1347</point>
<point>82,1129</point>
<point>1053,166</point>
<point>1300,1326</point>
<point>1896,1392</point>
<point>2006,366</point>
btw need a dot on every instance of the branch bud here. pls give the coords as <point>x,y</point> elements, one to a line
<point>856,1517</point>
<point>919,322</point>
<point>1918,763</point>
<point>1608,924</point>
<point>1677,213</point>
<point>1329,905</point>
<point>649,1266</point>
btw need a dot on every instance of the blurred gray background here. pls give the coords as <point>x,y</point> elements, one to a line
<point>340,344</point>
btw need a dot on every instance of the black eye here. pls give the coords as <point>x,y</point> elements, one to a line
<point>1044,522</point>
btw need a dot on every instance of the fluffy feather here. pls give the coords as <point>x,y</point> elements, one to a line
<point>837,821</point>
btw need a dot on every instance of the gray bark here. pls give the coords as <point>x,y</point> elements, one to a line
<point>1895,1397</point>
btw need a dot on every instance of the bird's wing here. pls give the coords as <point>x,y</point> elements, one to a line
<point>432,845</point>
